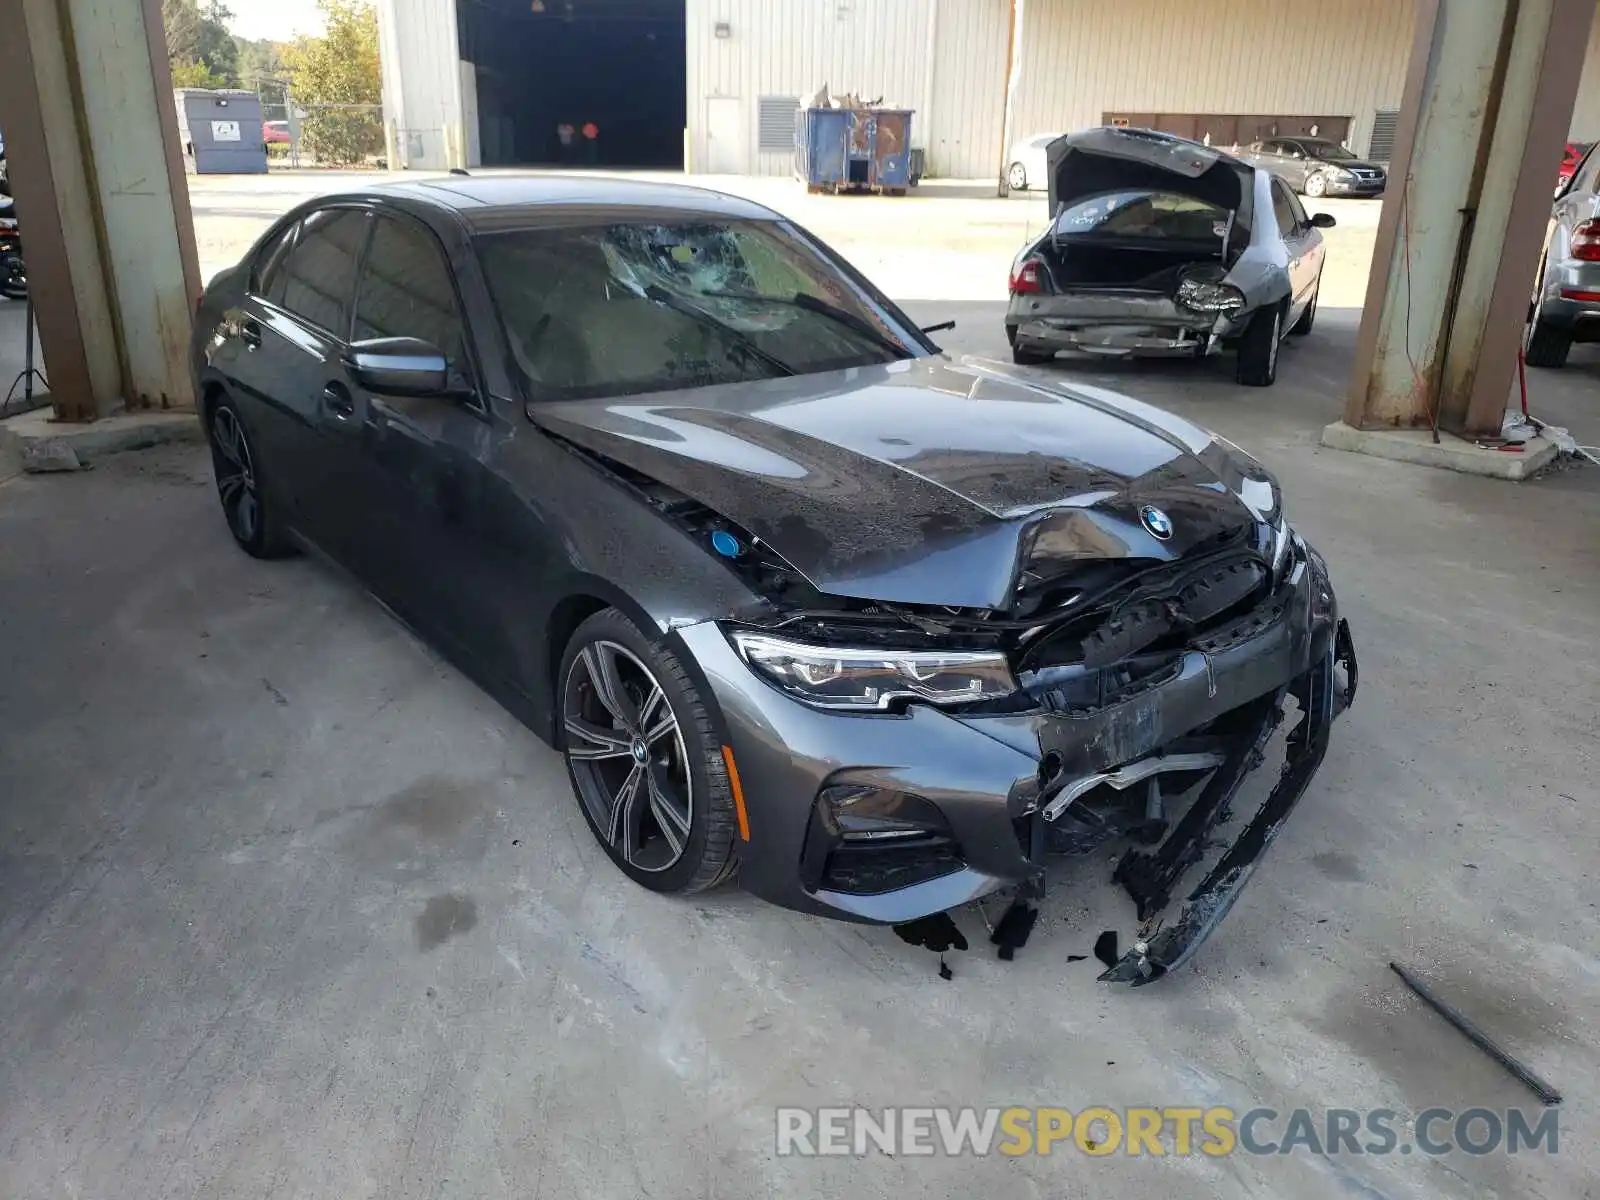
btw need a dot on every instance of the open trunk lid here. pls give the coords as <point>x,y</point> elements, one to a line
<point>1106,158</point>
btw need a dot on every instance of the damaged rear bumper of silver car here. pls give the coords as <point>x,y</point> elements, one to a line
<point>981,794</point>
<point>1116,323</point>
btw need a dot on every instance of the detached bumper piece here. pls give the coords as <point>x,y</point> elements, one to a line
<point>1150,877</point>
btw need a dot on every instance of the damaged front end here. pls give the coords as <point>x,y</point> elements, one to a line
<point>1144,714</point>
<point>1150,876</point>
<point>964,662</point>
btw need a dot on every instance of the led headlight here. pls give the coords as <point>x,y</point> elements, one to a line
<point>839,677</point>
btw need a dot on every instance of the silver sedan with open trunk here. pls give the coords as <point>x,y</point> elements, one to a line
<point>1160,245</point>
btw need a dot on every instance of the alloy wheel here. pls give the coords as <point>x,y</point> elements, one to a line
<point>1017,178</point>
<point>1316,185</point>
<point>234,468</point>
<point>627,754</point>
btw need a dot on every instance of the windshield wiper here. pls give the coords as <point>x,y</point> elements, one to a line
<point>744,341</point>
<point>850,321</point>
<point>841,316</point>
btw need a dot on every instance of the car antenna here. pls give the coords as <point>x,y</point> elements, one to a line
<point>940,327</point>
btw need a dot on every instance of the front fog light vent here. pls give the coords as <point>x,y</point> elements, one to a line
<point>866,814</point>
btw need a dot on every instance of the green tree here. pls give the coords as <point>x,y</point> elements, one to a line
<point>194,74</point>
<point>259,60</point>
<point>200,38</point>
<point>330,73</point>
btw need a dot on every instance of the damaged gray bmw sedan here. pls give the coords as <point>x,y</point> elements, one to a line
<point>798,597</point>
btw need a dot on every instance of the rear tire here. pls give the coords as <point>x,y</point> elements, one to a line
<point>236,464</point>
<point>683,768</point>
<point>1258,348</point>
<point>1546,346</point>
<point>1017,177</point>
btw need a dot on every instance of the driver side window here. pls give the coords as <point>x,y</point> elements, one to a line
<point>1283,208</point>
<point>406,291</point>
<point>1301,221</point>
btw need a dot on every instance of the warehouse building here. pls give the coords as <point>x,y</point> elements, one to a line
<point>712,85</point>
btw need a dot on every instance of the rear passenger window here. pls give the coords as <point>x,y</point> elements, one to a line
<point>319,273</point>
<point>268,277</point>
<point>406,292</point>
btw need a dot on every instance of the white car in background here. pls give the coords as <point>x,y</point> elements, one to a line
<point>1025,165</point>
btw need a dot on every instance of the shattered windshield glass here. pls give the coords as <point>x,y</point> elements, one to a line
<point>628,308</point>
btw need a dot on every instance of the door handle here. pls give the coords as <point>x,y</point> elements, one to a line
<point>336,402</point>
<point>250,333</point>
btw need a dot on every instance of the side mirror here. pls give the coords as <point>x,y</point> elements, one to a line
<point>399,367</point>
<point>1323,220</point>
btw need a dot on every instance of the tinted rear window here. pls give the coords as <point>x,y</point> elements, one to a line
<point>622,309</point>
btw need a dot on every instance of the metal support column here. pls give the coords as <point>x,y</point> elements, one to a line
<point>1013,78</point>
<point>97,175</point>
<point>1488,99</point>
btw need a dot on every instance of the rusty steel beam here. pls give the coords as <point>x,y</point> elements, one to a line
<point>1489,92</point>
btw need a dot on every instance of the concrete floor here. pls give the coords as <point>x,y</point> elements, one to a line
<point>289,908</point>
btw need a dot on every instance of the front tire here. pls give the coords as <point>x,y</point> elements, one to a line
<point>1308,318</point>
<point>251,517</point>
<point>645,764</point>
<point>1017,177</point>
<point>1258,348</point>
<point>1316,185</point>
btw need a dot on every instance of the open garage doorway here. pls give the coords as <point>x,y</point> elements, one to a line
<point>545,69</point>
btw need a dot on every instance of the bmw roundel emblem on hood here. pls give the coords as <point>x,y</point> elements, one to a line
<point>1156,521</point>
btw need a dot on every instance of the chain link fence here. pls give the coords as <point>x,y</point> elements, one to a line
<point>298,134</point>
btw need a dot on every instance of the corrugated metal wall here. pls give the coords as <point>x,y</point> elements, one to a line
<point>1586,113</point>
<point>967,110</point>
<point>1083,58</point>
<point>1080,59</point>
<point>420,62</point>
<point>792,47</point>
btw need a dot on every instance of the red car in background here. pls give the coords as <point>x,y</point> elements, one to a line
<point>276,133</point>
<point>1569,161</point>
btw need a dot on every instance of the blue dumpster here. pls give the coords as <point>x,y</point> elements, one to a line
<point>853,149</point>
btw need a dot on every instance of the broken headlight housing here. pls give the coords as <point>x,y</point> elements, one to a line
<point>1201,295</point>
<point>872,679</point>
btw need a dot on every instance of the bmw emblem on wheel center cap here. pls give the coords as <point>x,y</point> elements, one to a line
<point>1156,521</point>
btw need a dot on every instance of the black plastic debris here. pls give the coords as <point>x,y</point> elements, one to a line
<point>1547,1094</point>
<point>1105,947</point>
<point>1011,934</point>
<point>937,932</point>
<point>1076,957</point>
<point>944,969</point>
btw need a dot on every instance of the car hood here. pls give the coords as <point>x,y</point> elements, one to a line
<point>1107,158</point>
<point>1359,163</point>
<point>929,481</point>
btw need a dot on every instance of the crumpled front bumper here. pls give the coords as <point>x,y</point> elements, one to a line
<point>991,776</point>
<point>1149,876</point>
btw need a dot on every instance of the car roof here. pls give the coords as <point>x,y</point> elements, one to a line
<point>515,201</point>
